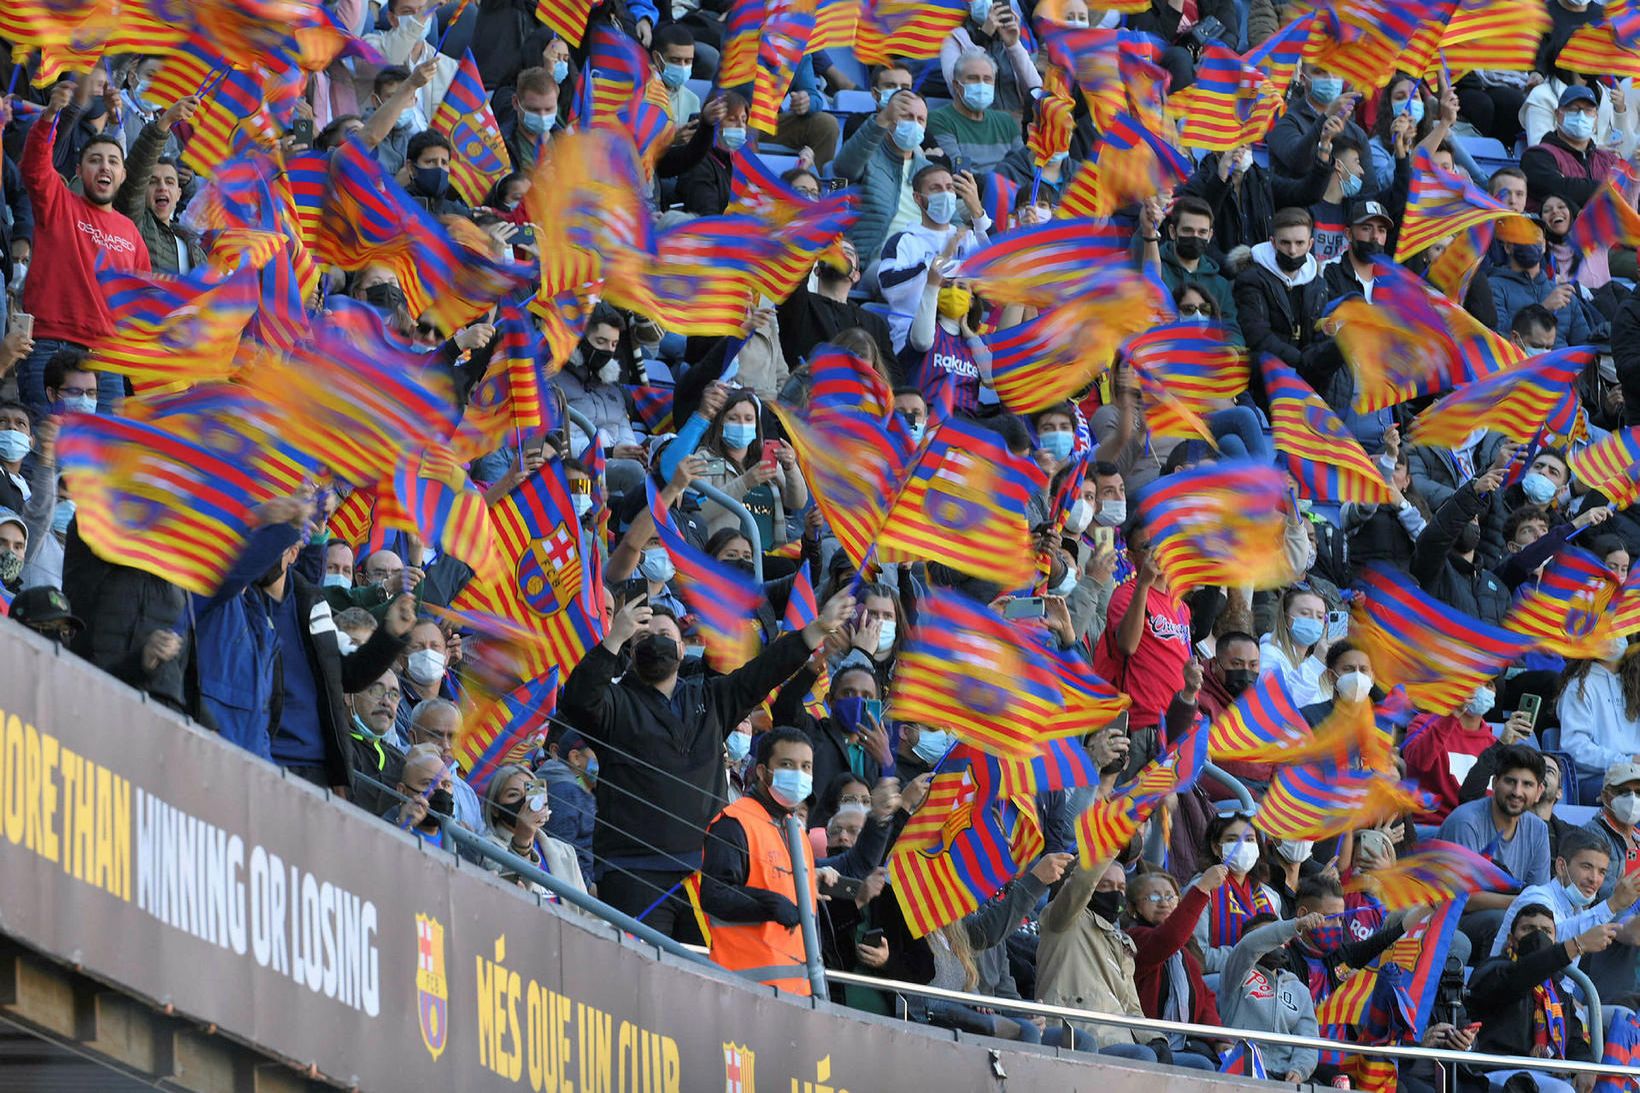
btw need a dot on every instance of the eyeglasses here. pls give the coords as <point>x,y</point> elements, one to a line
<point>77,392</point>
<point>1159,897</point>
<point>376,691</point>
<point>854,801</point>
<point>1195,309</point>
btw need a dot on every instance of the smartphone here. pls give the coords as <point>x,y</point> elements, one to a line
<point>1338,625</point>
<point>714,465</point>
<point>845,888</point>
<point>22,323</point>
<point>301,131</point>
<point>1104,538</point>
<point>1530,705</point>
<point>872,938</point>
<point>1025,607</point>
<point>874,710</point>
<point>525,236</point>
<point>634,588</point>
<point>535,795</point>
<point>771,453</point>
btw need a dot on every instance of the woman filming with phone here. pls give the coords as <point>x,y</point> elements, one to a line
<point>516,810</point>
<point>760,474</point>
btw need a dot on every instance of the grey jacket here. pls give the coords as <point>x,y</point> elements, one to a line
<point>869,160</point>
<point>1261,1005</point>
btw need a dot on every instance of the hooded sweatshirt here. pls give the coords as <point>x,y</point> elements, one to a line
<point>1265,255</point>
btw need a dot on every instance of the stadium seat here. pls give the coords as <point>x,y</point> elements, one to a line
<point>702,88</point>
<point>845,62</point>
<point>854,102</point>
<point>779,164</point>
<point>1484,148</point>
<point>1576,815</point>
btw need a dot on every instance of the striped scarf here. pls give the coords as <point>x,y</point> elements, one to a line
<point>1548,1022</point>
<point>1233,904</point>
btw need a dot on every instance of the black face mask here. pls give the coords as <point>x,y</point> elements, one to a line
<point>94,109</point>
<point>1237,680</point>
<point>441,802</point>
<point>430,180</point>
<point>655,657</point>
<point>1365,250</point>
<point>595,358</point>
<point>1469,537</point>
<point>1189,247</point>
<point>1288,263</point>
<point>1535,941</point>
<point>272,576</point>
<point>508,813</point>
<point>828,272</point>
<point>1526,255</point>
<point>1274,960</point>
<point>1107,905</point>
<point>386,297</point>
<point>745,566</point>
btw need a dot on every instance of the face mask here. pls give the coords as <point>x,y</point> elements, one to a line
<point>441,802</point>
<point>11,567</point>
<point>1189,247</point>
<point>886,633</point>
<point>1469,538</point>
<point>978,96</point>
<point>953,303</point>
<point>61,516</point>
<point>1526,255</point>
<point>1324,89</point>
<point>1290,263</point>
<point>915,432</point>
<point>430,180</point>
<point>656,565</point>
<point>385,297</point>
<point>1112,513</point>
<point>1626,807</point>
<point>1057,444</point>
<point>410,119</point>
<point>655,657</point>
<point>1237,680</point>
<point>363,728</point>
<point>560,71</point>
<point>1326,938</point>
<point>739,745</point>
<point>582,503</point>
<point>1480,703</point>
<point>931,745</point>
<point>1059,157</point>
<point>77,404</point>
<point>1579,125</point>
<point>1365,250</point>
<point>1413,106</point>
<point>674,76</point>
<point>942,207</point>
<point>886,93</point>
<point>1305,630</point>
<point>790,787</point>
<point>534,122</point>
<point>1067,584</point>
<point>609,371</point>
<point>425,666</point>
<point>1350,185</point>
<point>1294,850</point>
<point>1575,896</point>
<point>14,445</point>
<point>738,434</point>
<point>1080,516</point>
<point>336,580</point>
<point>980,10</point>
<point>1239,856</point>
<point>733,136</point>
<point>1537,488</point>
<point>1107,905</point>
<point>1532,942</point>
<point>1353,686</point>
<point>594,358</point>
<point>19,273</point>
<point>908,135</point>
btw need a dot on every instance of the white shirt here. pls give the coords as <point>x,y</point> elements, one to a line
<point>1595,728</point>
<point>1304,681</point>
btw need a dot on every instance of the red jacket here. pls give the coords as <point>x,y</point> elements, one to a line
<point>69,232</point>
<point>1438,755</point>
<point>1156,943</point>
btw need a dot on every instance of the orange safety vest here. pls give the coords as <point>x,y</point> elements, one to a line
<point>765,951</point>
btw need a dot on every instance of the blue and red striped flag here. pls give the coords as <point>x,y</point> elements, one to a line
<point>1218,524</point>
<point>1431,875</point>
<point>1244,1058</point>
<point>1042,265</point>
<point>1566,607</point>
<point>1278,55</point>
<point>1263,718</point>
<point>963,505</point>
<point>1607,220</point>
<point>174,330</point>
<point>1320,800</point>
<point>855,469</point>
<point>1089,702</point>
<point>506,729</point>
<point>1515,401</point>
<point>803,608</point>
<point>1622,1052</point>
<point>1612,466</point>
<point>1130,162</point>
<point>843,382</point>
<point>1328,463</point>
<point>231,100</point>
<point>653,408</point>
<point>723,599</point>
<point>1185,370</point>
<point>431,496</point>
<point>1442,204</point>
<point>464,116</point>
<point>784,34</point>
<point>1232,103</point>
<point>968,669</point>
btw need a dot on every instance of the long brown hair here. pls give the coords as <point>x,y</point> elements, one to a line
<point>1628,674</point>
<point>956,935</point>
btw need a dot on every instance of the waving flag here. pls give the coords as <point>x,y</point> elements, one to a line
<point>231,421</point>
<point>1612,466</point>
<point>1263,717</point>
<point>1565,609</point>
<point>506,729</point>
<point>1432,875</point>
<point>1595,50</point>
<point>1089,702</point>
<point>854,468</point>
<point>1063,763</point>
<point>1050,129</point>
<point>1437,653</point>
<point>1514,402</point>
<point>909,29</point>
<point>1044,265</point>
<point>723,599</point>
<point>1441,204</point>
<point>1231,103</point>
<point>480,158</point>
<point>1219,524</point>
<point>1128,163</point>
<point>1280,53</point>
<point>1608,220</point>
<point>1622,1052</point>
<point>431,496</point>
<point>841,381</point>
<point>151,501</point>
<point>801,609</point>
<point>1103,830</point>
<point>787,26</point>
<point>968,669</point>
<point>229,99</point>
<point>174,330</point>
<point>1329,463</point>
<point>566,18</point>
<point>1400,346</point>
<point>963,505</point>
<point>1320,800</point>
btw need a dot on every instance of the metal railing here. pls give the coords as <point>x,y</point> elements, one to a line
<point>748,526</point>
<point>1230,782</point>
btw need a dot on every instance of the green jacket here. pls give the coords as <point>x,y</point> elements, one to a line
<point>132,200</point>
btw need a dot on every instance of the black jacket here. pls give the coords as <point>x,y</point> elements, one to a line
<point>1469,587</point>
<point>1281,321</point>
<point>1293,139</point>
<point>704,188</point>
<point>1162,19</point>
<point>336,675</point>
<point>661,773</point>
<point>1242,214</point>
<point>1500,998</point>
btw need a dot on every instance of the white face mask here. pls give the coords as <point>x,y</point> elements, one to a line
<point>1080,516</point>
<point>1239,856</point>
<point>345,643</point>
<point>1353,686</point>
<point>1112,513</point>
<point>885,635</point>
<point>1295,850</point>
<point>425,666</point>
<point>1626,807</point>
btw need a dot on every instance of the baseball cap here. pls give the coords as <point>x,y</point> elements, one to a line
<point>1370,210</point>
<point>1617,774</point>
<point>1577,94</point>
<point>41,605</point>
<point>572,740</point>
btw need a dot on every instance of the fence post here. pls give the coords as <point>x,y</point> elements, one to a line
<point>795,838</point>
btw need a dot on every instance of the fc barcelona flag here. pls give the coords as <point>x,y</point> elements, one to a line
<point>465,117</point>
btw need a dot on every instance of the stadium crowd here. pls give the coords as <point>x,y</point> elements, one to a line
<point>653,771</point>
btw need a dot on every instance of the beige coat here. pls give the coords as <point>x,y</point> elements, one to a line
<point>1084,962</point>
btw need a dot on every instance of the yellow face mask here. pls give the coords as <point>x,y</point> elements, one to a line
<point>954,302</point>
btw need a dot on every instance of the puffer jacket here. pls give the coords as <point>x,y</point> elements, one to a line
<point>870,160</point>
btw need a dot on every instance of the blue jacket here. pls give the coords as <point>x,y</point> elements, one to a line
<point>237,648</point>
<point>872,162</point>
<point>1513,290</point>
<point>574,810</point>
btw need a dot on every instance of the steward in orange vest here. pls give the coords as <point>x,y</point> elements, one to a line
<point>748,890</point>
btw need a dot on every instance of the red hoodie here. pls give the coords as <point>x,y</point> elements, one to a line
<point>1439,755</point>
<point>69,232</point>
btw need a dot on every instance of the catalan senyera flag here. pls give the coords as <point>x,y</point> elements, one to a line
<point>1128,163</point>
<point>1362,39</point>
<point>1103,830</point>
<point>1595,50</point>
<point>170,330</point>
<point>1329,463</point>
<point>1278,56</point>
<point>566,18</point>
<point>1185,368</point>
<point>1514,401</point>
<point>1051,128</point>
<point>1566,608</point>
<point>787,26</point>
<point>912,29</point>
<point>506,729</point>
<point>431,497</point>
<point>723,599</point>
<point>1231,103</point>
<point>1432,875</point>
<point>1440,205</point>
<point>968,669</point>
<point>465,117</point>
<point>963,505</point>
<point>1481,34</point>
<point>1414,641</point>
<point>1612,466</point>
<point>152,501</point>
<point>1218,524</point>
